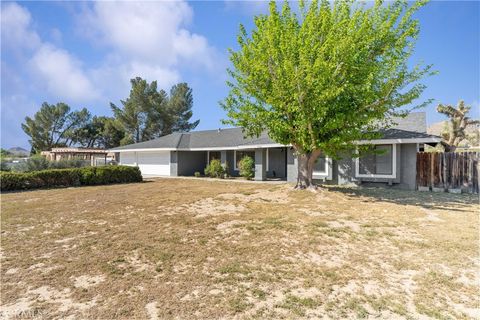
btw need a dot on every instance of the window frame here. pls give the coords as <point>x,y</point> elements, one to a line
<point>384,176</point>
<point>328,164</point>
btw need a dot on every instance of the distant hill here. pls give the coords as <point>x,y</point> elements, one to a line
<point>18,151</point>
<point>438,127</point>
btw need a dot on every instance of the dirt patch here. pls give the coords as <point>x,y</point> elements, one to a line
<point>212,207</point>
<point>185,249</point>
<point>86,281</point>
<point>152,311</point>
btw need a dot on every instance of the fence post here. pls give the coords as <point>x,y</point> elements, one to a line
<point>444,171</point>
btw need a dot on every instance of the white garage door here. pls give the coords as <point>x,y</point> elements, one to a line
<point>154,163</point>
<point>150,163</point>
<point>127,158</point>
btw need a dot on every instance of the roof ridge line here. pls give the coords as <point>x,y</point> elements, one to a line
<point>179,140</point>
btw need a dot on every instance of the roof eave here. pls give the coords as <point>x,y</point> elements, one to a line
<point>401,140</point>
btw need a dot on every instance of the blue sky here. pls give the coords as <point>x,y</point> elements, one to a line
<point>84,53</point>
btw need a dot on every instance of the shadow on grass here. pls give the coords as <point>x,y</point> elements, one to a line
<point>70,187</point>
<point>427,200</point>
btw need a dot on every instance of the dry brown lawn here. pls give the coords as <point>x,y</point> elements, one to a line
<point>185,249</point>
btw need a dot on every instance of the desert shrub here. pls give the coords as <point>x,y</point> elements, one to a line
<point>215,169</point>
<point>4,166</point>
<point>197,174</point>
<point>69,163</point>
<point>68,177</point>
<point>246,167</point>
<point>34,163</point>
<point>37,163</point>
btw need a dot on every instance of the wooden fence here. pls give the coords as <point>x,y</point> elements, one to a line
<point>448,170</point>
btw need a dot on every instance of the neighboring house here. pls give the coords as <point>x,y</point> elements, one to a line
<point>182,154</point>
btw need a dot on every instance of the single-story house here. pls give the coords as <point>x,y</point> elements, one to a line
<point>183,154</point>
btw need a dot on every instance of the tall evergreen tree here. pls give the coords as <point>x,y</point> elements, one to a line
<point>52,126</point>
<point>150,113</point>
<point>180,110</point>
<point>142,112</point>
<point>100,132</point>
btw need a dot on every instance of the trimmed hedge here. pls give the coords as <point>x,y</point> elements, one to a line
<point>71,177</point>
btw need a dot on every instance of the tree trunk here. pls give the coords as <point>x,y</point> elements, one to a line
<point>306,162</point>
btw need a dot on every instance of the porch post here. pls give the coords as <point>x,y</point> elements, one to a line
<point>260,164</point>
<point>223,157</point>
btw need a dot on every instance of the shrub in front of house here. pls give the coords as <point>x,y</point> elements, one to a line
<point>197,174</point>
<point>215,169</point>
<point>246,167</point>
<point>72,177</point>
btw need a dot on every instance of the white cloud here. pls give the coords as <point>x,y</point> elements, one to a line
<point>115,74</point>
<point>146,39</point>
<point>16,28</point>
<point>54,69</point>
<point>62,74</point>
<point>144,30</point>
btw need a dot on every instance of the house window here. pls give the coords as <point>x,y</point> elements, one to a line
<point>321,166</point>
<point>378,164</point>
<point>238,155</point>
<point>214,155</point>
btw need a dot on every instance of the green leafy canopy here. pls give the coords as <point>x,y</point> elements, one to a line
<point>327,76</point>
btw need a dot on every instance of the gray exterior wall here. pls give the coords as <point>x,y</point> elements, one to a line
<point>173,164</point>
<point>292,164</point>
<point>343,170</point>
<point>405,172</point>
<point>277,158</point>
<point>284,163</point>
<point>260,164</point>
<point>408,164</point>
<point>191,161</point>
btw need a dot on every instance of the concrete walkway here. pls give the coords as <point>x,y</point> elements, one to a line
<point>234,179</point>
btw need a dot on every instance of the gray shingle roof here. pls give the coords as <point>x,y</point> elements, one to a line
<point>168,141</point>
<point>412,126</point>
<point>404,134</point>
<point>414,121</point>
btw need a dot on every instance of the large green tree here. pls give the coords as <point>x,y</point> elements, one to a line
<point>459,120</point>
<point>326,77</point>
<point>179,111</point>
<point>52,126</point>
<point>100,132</point>
<point>150,113</point>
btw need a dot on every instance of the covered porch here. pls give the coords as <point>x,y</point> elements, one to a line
<point>270,163</point>
<point>90,156</point>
